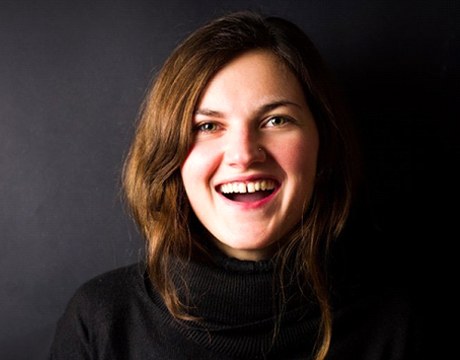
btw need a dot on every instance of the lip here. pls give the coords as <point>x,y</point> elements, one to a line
<point>249,205</point>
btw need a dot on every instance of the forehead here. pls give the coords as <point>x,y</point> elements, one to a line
<point>252,77</point>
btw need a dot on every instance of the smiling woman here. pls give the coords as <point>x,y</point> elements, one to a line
<point>242,176</point>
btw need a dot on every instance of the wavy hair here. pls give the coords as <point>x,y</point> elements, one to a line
<point>151,178</point>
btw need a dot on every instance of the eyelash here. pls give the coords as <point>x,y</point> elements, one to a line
<point>283,118</point>
<point>204,127</point>
<point>201,127</point>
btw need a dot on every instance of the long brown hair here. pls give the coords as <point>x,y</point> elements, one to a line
<point>152,181</point>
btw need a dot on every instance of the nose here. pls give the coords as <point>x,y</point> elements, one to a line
<point>243,149</point>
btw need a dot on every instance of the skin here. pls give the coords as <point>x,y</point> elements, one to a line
<point>252,123</point>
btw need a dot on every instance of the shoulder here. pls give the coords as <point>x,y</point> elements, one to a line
<point>390,304</point>
<point>110,290</point>
<point>380,321</point>
<point>96,308</point>
<point>116,279</point>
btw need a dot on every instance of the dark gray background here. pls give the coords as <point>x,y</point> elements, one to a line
<point>73,74</point>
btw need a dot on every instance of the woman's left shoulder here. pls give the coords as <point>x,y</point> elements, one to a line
<point>382,321</point>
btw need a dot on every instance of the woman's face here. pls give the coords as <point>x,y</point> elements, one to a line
<point>251,170</point>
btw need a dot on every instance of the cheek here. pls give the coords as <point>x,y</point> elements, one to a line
<point>197,168</point>
<point>189,171</point>
<point>299,158</point>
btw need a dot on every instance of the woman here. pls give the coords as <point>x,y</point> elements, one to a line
<point>241,176</point>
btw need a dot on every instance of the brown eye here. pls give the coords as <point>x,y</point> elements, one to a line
<point>276,121</point>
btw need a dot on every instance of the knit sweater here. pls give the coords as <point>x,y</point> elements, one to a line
<point>120,315</point>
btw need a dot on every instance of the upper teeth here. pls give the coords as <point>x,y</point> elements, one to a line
<point>247,187</point>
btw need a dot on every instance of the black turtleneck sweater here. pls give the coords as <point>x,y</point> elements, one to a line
<point>119,315</point>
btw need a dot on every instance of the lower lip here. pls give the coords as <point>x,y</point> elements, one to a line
<point>251,205</point>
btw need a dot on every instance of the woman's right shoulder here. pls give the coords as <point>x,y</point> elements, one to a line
<point>98,306</point>
<point>109,290</point>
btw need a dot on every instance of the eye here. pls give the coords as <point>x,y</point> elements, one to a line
<point>276,121</point>
<point>206,127</point>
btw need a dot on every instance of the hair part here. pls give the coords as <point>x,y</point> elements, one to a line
<point>151,177</point>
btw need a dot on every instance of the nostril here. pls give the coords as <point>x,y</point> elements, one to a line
<point>244,154</point>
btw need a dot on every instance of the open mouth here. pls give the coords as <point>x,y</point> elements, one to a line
<point>249,191</point>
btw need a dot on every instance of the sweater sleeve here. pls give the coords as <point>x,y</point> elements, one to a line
<point>71,339</point>
<point>98,316</point>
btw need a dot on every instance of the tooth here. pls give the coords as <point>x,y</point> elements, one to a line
<point>263,185</point>
<point>251,187</point>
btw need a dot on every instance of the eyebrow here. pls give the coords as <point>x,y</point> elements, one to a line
<point>262,110</point>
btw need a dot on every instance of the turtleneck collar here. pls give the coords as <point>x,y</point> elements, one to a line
<point>239,305</point>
